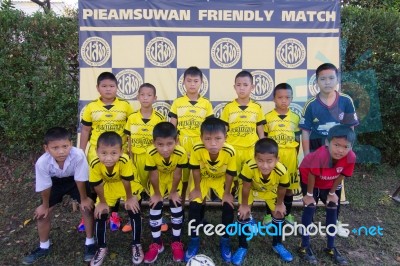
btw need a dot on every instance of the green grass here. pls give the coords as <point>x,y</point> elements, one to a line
<point>367,191</point>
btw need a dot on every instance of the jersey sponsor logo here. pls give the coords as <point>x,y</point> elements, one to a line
<point>283,139</point>
<point>129,82</point>
<point>218,109</point>
<point>160,51</point>
<point>241,131</point>
<point>297,109</point>
<point>341,116</point>
<point>328,177</point>
<point>291,53</point>
<point>95,51</point>
<point>263,85</point>
<point>141,142</point>
<point>203,87</point>
<point>339,169</point>
<point>325,128</point>
<point>109,127</point>
<point>109,115</point>
<point>191,124</point>
<point>162,107</point>
<point>313,86</point>
<point>225,52</point>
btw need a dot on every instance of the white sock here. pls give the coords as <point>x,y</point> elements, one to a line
<point>89,241</point>
<point>45,245</point>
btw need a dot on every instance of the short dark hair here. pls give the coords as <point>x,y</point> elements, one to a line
<point>243,74</point>
<point>282,86</point>
<point>212,125</point>
<point>148,85</point>
<point>165,130</point>
<point>109,138</point>
<point>193,71</point>
<point>326,66</point>
<point>342,131</point>
<point>106,75</point>
<point>266,145</point>
<point>56,133</point>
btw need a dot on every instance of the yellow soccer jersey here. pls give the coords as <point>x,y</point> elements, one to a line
<point>154,161</point>
<point>190,114</point>
<point>141,130</point>
<point>104,118</point>
<point>123,169</point>
<point>278,177</point>
<point>242,122</point>
<point>225,163</point>
<point>282,128</point>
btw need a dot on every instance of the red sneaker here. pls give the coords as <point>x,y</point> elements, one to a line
<point>115,221</point>
<point>177,251</point>
<point>152,254</point>
<point>81,226</point>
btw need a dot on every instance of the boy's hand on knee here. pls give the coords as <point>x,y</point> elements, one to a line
<point>174,196</point>
<point>156,198</point>
<point>228,198</point>
<point>307,200</point>
<point>87,204</point>
<point>132,204</point>
<point>280,211</point>
<point>41,212</point>
<point>195,193</point>
<point>332,198</point>
<point>244,212</point>
<point>100,209</point>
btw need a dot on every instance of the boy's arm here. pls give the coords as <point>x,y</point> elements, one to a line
<point>129,147</point>
<point>305,141</point>
<point>173,195</point>
<point>280,208</point>
<point>86,202</point>
<point>173,121</point>
<point>43,210</point>
<point>84,139</point>
<point>244,208</point>
<point>309,198</point>
<point>196,192</point>
<point>228,197</point>
<point>131,201</point>
<point>260,131</point>
<point>102,206</point>
<point>332,197</point>
<point>154,181</point>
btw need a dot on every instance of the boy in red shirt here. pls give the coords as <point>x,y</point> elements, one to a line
<point>321,172</point>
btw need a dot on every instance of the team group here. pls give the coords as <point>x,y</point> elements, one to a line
<point>244,153</point>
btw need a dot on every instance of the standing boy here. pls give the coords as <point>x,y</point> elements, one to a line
<point>244,119</point>
<point>283,127</point>
<point>326,109</point>
<point>187,113</point>
<point>213,164</point>
<point>321,172</point>
<point>165,161</point>
<point>107,113</point>
<point>62,170</point>
<point>264,177</point>
<point>113,177</point>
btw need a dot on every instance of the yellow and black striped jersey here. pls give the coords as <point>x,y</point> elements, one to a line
<point>104,118</point>
<point>141,130</point>
<point>154,160</point>
<point>224,164</point>
<point>190,114</point>
<point>277,177</point>
<point>282,128</point>
<point>123,169</point>
<point>242,122</point>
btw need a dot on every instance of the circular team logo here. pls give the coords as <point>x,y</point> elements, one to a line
<point>203,88</point>
<point>313,86</point>
<point>263,85</point>
<point>129,82</point>
<point>162,107</point>
<point>225,52</point>
<point>160,51</point>
<point>95,51</point>
<point>297,109</point>
<point>291,53</point>
<point>218,109</point>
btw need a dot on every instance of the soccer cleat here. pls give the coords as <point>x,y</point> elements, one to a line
<point>341,231</point>
<point>283,253</point>
<point>35,255</point>
<point>81,226</point>
<point>115,221</point>
<point>152,254</point>
<point>225,249</point>
<point>90,251</point>
<point>177,251</point>
<point>337,257</point>
<point>127,227</point>
<point>193,248</point>
<point>137,254</point>
<point>99,257</point>
<point>239,256</point>
<point>267,219</point>
<point>289,219</point>
<point>308,255</point>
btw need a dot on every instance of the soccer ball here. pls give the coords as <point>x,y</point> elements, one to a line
<point>200,260</point>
